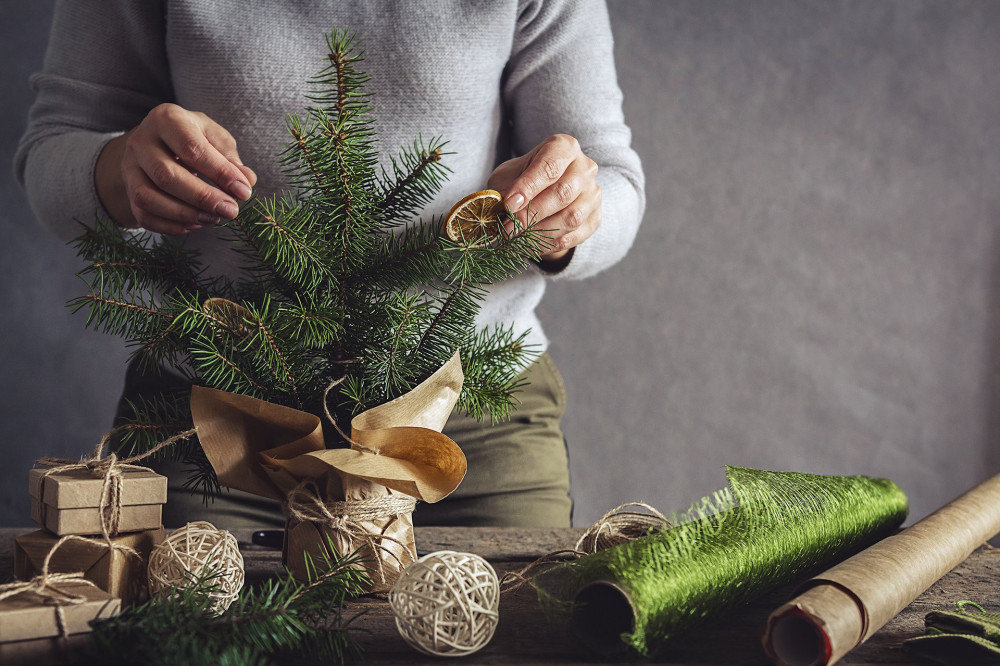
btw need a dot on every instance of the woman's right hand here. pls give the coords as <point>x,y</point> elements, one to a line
<point>175,172</point>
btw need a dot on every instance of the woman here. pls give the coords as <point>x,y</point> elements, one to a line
<point>165,115</point>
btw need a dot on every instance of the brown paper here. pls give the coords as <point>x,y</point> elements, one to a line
<point>26,615</point>
<point>841,608</point>
<point>67,502</point>
<point>78,488</point>
<point>87,522</point>
<point>113,570</point>
<point>397,448</point>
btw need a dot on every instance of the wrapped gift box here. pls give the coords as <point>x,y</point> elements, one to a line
<point>67,502</point>
<point>113,570</point>
<point>28,616</point>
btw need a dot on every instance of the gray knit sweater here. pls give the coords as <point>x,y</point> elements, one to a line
<point>493,77</point>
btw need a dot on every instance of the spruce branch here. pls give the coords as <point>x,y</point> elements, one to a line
<point>417,174</point>
<point>279,618</point>
<point>286,240</point>
<point>151,420</point>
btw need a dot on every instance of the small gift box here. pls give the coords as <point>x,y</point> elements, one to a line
<point>32,615</point>
<point>119,569</point>
<point>68,501</point>
<point>359,499</point>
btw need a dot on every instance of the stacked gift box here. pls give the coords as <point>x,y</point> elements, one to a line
<point>67,501</point>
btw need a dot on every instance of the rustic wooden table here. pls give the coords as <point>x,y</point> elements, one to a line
<point>524,636</point>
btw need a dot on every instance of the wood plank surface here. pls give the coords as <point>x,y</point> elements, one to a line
<point>524,636</point>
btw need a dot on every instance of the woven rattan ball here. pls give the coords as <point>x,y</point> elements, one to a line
<point>446,603</point>
<point>192,552</point>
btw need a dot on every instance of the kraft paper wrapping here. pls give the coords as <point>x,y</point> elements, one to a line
<point>68,501</point>
<point>27,615</point>
<point>841,608</point>
<point>113,568</point>
<point>397,449</point>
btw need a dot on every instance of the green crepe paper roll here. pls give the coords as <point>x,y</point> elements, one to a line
<point>766,529</point>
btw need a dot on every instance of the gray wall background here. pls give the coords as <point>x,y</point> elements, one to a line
<point>814,288</point>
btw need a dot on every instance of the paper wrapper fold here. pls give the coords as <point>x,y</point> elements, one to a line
<point>114,570</point>
<point>67,502</point>
<point>27,615</point>
<point>397,449</point>
<point>841,608</point>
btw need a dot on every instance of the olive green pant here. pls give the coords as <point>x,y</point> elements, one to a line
<point>518,470</point>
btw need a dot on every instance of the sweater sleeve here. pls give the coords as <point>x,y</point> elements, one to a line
<point>105,68</point>
<point>561,79</point>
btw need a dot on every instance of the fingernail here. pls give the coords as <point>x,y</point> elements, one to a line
<point>207,218</point>
<point>515,202</point>
<point>227,209</point>
<point>194,227</point>
<point>239,190</point>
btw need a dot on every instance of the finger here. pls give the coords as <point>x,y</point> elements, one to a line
<point>152,206</point>
<point>549,161</point>
<point>186,139</point>
<point>578,177</point>
<point>224,142</point>
<point>173,178</point>
<point>573,224</point>
<point>505,174</point>
<point>249,173</point>
<point>167,227</point>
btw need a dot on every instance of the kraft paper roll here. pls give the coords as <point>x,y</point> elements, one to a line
<point>841,608</point>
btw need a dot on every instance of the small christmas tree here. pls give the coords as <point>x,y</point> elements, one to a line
<point>342,284</point>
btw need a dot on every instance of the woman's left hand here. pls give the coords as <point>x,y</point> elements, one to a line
<point>560,183</point>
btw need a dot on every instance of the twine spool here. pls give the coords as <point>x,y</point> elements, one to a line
<point>192,552</point>
<point>621,525</point>
<point>446,603</point>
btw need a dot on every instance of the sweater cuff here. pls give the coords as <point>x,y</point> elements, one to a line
<point>65,164</point>
<point>619,220</point>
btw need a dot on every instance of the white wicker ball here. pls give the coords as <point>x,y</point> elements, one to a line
<point>446,603</point>
<point>192,551</point>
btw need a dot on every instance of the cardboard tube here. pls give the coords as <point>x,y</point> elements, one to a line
<point>841,608</point>
<point>602,612</point>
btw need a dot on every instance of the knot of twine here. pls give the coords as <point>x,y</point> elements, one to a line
<point>111,468</point>
<point>110,507</point>
<point>348,518</point>
<point>614,528</point>
<point>44,585</point>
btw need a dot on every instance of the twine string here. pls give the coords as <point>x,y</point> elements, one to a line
<point>333,421</point>
<point>620,526</point>
<point>616,527</point>
<point>347,518</point>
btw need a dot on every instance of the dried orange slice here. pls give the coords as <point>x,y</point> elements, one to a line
<point>476,216</point>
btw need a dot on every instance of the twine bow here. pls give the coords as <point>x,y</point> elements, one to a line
<point>110,507</point>
<point>348,518</point>
<point>111,469</point>
<point>44,585</point>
